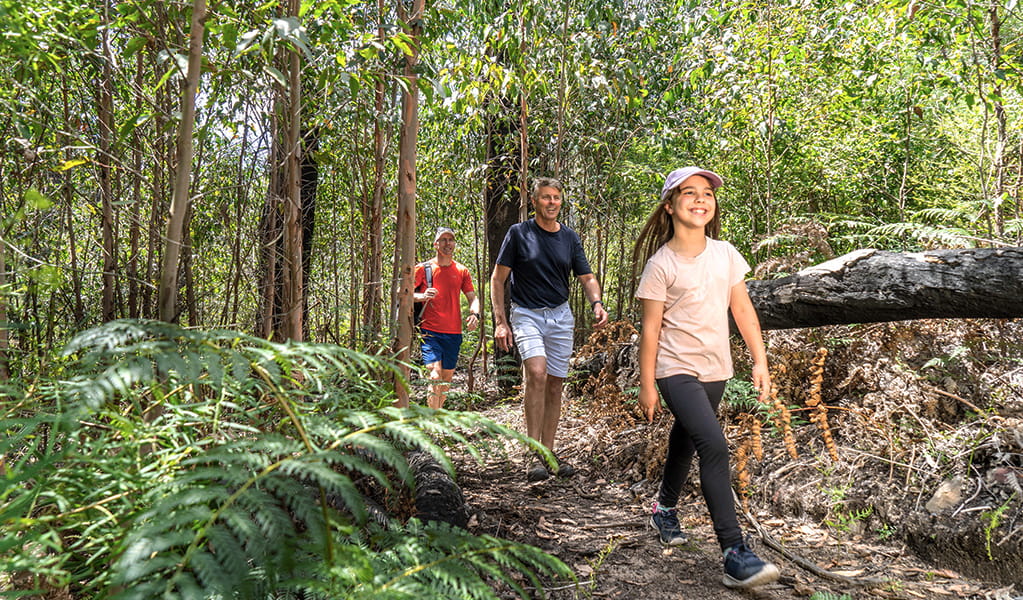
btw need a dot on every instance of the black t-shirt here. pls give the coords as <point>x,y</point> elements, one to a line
<point>541,263</point>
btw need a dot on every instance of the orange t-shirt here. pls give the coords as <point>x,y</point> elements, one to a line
<point>443,313</point>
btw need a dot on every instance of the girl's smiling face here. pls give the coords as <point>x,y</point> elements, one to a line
<point>692,203</point>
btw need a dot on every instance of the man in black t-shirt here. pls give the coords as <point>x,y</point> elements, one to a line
<point>539,255</point>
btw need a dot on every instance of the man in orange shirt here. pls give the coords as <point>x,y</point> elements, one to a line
<point>441,323</point>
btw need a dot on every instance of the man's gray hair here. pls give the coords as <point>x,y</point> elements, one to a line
<point>541,182</point>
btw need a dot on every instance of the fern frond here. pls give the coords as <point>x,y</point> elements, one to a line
<point>216,495</point>
<point>436,556</point>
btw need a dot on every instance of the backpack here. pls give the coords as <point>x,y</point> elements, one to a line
<point>417,307</point>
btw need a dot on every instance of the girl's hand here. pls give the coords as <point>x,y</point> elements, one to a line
<point>762,381</point>
<point>649,402</point>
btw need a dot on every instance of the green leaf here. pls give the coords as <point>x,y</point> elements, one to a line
<point>35,200</point>
<point>277,75</point>
<point>134,45</point>
<point>246,41</point>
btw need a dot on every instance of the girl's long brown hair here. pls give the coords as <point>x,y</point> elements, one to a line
<point>659,229</point>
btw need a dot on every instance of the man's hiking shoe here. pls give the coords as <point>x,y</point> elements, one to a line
<point>666,524</point>
<point>745,570</point>
<point>565,469</point>
<point>537,472</point>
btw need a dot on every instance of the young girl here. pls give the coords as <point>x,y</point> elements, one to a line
<point>689,281</point>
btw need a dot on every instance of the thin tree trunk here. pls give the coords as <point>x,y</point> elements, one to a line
<point>293,198</point>
<point>270,228</point>
<point>106,129</point>
<point>373,215</point>
<point>524,132</point>
<point>190,307</point>
<point>1000,120</point>
<point>180,200</point>
<point>229,317</point>
<point>67,192</point>
<point>308,185</point>
<point>134,310</point>
<point>5,373</point>
<point>406,227</point>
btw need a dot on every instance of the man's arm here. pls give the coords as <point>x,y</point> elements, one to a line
<point>591,289</point>
<point>502,333</point>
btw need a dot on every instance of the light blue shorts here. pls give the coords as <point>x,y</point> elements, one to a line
<point>544,332</point>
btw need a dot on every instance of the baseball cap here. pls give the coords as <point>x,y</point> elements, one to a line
<point>441,231</point>
<point>679,175</point>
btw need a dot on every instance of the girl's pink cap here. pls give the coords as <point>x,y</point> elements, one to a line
<point>679,175</point>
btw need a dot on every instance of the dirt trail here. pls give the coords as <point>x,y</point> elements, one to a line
<point>596,522</point>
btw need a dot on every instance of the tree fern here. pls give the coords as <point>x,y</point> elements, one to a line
<point>188,464</point>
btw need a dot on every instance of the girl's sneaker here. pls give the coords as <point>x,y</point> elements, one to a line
<point>745,570</point>
<point>665,521</point>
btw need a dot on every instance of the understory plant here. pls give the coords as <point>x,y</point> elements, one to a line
<point>174,463</point>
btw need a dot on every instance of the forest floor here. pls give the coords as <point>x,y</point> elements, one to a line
<point>852,528</point>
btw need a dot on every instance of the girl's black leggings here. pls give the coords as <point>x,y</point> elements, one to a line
<point>694,405</point>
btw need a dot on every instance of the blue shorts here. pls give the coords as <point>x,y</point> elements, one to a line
<point>442,348</point>
<point>544,332</point>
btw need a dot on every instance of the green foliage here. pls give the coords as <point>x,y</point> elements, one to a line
<point>742,396</point>
<point>187,464</point>
<point>992,520</point>
<point>830,596</point>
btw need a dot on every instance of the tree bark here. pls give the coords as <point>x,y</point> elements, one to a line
<point>106,133</point>
<point>293,290</point>
<point>406,226</point>
<point>372,214</point>
<point>308,184</point>
<point>869,286</point>
<point>135,227</point>
<point>67,193</point>
<point>183,173</point>
<point>503,196</point>
<point>4,327</point>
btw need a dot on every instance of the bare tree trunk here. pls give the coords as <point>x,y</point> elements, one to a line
<point>182,176</point>
<point>501,206</point>
<point>372,219</point>
<point>5,373</point>
<point>190,307</point>
<point>106,132</point>
<point>270,229</point>
<point>406,229</point>
<point>293,292</point>
<point>67,193</point>
<point>229,317</point>
<point>134,310</point>
<point>1000,120</point>
<point>308,185</point>
<point>524,130</point>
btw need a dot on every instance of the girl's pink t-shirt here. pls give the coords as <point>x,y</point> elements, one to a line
<point>695,292</point>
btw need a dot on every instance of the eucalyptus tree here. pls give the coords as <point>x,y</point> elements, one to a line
<point>183,176</point>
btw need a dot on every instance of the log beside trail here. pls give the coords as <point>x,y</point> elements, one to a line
<point>871,286</point>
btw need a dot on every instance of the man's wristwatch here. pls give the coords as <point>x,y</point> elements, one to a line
<point>477,315</point>
<point>595,303</point>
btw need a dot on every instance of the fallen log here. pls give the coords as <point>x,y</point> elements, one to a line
<point>870,286</point>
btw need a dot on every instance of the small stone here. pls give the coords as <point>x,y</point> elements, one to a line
<point>949,494</point>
